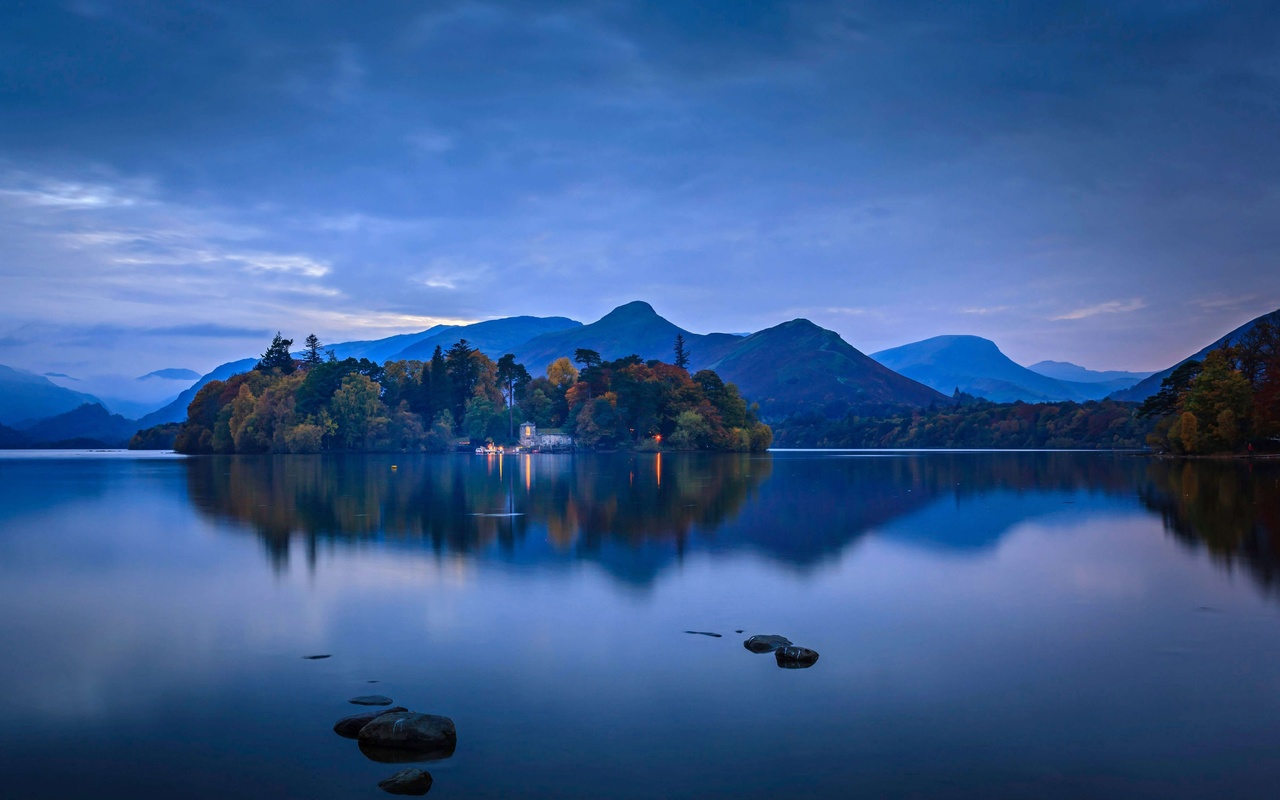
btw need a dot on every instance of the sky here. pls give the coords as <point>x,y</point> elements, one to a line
<point>1093,182</point>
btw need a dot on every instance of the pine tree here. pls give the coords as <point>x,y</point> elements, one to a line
<point>311,354</point>
<point>682,354</point>
<point>277,356</point>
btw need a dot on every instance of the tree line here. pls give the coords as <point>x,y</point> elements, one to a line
<point>1228,402</point>
<point>318,403</point>
<point>973,423</point>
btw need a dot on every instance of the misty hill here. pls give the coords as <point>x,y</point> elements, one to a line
<point>171,374</point>
<point>1149,386</point>
<point>86,426</point>
<point>176,411</point>
<point>634,328</point>
<point>494,337</point>
<point>1066,371</point>
<point>25,396</point>
<point>798,365</point>
<point>977,366</point>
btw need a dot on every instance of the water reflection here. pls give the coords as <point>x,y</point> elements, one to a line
<point>469,504</point>
<point>637,514</point>
<point>1231,509</point>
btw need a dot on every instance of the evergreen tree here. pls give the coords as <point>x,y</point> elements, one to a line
<point>512,377</point>
<point>587,358</point>
<point>277,356</point>
<point>682,354</point>
<point>311,352</point>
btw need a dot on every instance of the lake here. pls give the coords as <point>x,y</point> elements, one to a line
<point>1056,625</point>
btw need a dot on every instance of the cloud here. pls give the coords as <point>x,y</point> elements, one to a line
<point>1109,307</point>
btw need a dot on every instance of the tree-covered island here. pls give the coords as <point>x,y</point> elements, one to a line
<point>317,403</point>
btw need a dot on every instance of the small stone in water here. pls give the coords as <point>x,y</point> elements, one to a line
<point>766,644</point>
<point>796,657</point>
<point>408,781</point>
<point>371,700</point>
<point>316,658</point>
<point>704,633</point>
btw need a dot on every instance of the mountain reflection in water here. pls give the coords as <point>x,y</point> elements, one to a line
<point>636,514</point>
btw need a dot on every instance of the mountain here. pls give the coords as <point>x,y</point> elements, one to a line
<point>171,374</point>
<point>11,439</point>
<point>634,328</point>
<point>977,366</point>
<point>1066,371</point>
<point>25,396</point>
<point>1150,385</point>
<point>495,337</point>
<point>176,411</point>
<point>797,366</point>
<point>381,350</point>
<point>87,426</point>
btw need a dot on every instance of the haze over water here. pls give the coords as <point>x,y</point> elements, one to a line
<point>990,624</point>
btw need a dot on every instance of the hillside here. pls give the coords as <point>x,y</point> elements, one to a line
<point>494,337</point>
<point>380,350</point>
<point>977,366</point>
<point>25,397</point>
<point>88,425</point>
<point>799,366</point>
<point>1149,386</point>
<point>177,410</point>
<point>634,328</point>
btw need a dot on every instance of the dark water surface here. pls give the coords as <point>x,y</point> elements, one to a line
<point>990,625</point>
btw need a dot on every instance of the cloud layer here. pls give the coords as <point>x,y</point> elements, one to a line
<point>1088,182</point>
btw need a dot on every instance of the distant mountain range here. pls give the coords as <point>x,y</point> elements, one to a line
<point>1149,386</point>
<point>977,366</point>
<point>790,367</point>
<point>25,396</point>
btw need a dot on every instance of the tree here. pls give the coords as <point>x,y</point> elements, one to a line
<point>512,377</point>
<point>682,354</point>
<point>587,358</point>
<point>562,373</point>
<point>1221,399</point>
<point>277,356</point>
<point>311,352</point>
<point>356,409</point>
<point>1169,399</point>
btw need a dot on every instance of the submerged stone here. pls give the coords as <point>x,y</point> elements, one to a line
<point>407,781</point>
<point>793,657</point>
<point>350,726</point>
<point>317,658</point>
<point>766,644</point>
<point>406,730</point>
<point>371,700</point>
<point>705,633</point>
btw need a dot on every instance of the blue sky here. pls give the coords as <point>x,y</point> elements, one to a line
<point>1094,182</point>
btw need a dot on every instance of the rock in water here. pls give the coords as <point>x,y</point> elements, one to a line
<point>350,726</point>
<point>405,730</point>
<point>766,644</point>
<point>371,700</point>
<point>317,658</point>
<point>793,657</point>
<point>705,633</point>
<point>407,781</point>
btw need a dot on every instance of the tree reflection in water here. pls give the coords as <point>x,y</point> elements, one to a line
<point>635,514</point>
<point>1230,508</point>
<point>471,504</point>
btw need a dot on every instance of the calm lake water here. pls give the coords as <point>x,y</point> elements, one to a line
<point>990,624</point>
